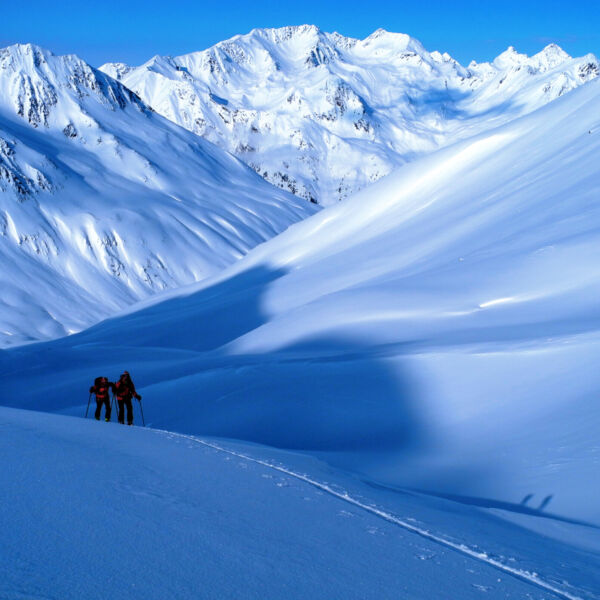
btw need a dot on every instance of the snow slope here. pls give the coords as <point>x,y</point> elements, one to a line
<point>97,511</point>
<point>103,202</point>
<point>439,331</point>
<point>323,115</point>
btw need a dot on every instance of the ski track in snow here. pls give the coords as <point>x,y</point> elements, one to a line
<point>529,577</point>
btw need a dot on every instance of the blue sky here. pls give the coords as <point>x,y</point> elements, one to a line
<point>133,30</point>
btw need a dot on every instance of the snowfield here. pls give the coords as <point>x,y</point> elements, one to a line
<point>323,115</point>
<point>99,511</point>
<point>103,202</point>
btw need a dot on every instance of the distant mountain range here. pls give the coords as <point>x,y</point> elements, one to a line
<point>323,115</point>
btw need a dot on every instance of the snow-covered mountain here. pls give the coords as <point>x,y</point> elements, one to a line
<point>438,331</point>
<point>323,115</point>
<point>104,202</point>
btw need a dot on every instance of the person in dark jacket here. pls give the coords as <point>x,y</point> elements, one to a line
<point>125,391</point>
<point>101,388</point>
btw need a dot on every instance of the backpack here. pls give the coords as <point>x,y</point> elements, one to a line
<point>101,388</point>
<point>124,388</point>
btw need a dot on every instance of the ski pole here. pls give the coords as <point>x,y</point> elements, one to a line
<point>142,411</point>
<point>88,406</point>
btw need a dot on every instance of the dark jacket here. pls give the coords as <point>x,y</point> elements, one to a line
<point>125,389</point>
<point>101,387</point>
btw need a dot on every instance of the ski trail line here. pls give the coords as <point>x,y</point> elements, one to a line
<point>527,576</point>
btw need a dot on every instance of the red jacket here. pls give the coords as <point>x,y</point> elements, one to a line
<point>125,389</point>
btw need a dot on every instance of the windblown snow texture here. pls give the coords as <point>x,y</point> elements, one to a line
<point>323,115</point>
<point>103,202</point>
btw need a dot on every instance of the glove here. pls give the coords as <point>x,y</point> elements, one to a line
<point>92,390</point>
<point>138,396</point>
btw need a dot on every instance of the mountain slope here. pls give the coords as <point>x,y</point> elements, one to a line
<point>194,518</point>
<point>439,331</point>
<point>104,202</point>
<point>323,115</point>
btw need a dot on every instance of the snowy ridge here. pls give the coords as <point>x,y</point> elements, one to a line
<point>323,115</point>
<point>103,202</point>
<point>32,78</point>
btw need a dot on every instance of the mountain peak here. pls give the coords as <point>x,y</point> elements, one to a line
<point>551,56</point>
<point>552,47</point>
<point>27,48</point>
<point>381,38</point>
<point>553,50</point>
<point>116,70</point>
<point>160,64</point>
<point>509,57</point>
<point>379,32</point>
<point>33,56</point>
<point>282,34</point>
<point>53,90</point>
<point>24,54</point>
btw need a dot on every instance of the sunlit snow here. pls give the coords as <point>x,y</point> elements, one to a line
<point>323,115</point>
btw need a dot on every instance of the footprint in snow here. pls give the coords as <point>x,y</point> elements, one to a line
<point>481,588</point>
<point>346,513</point>
<point>425,556</point>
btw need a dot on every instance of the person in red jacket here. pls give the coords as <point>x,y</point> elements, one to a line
<point>125,391</point>
<point>101,388</point>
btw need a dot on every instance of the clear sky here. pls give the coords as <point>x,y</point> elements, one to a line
<point>132,31</point>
